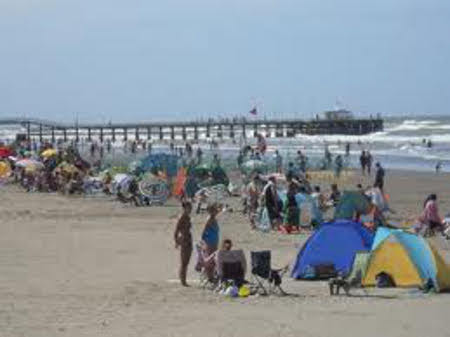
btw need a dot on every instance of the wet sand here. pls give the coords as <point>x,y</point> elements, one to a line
<point>72,266</point>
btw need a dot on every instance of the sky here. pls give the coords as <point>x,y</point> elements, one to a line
<point>185,59</point>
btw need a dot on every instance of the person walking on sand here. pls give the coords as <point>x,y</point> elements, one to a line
<point>183,240</point>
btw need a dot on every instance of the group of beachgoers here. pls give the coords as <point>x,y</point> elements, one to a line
<point>52,170</point>
<point>209,242</point>
<point>262,192</point>
<point>64,170</point>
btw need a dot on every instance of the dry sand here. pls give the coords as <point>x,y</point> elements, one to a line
<point>93,267</point>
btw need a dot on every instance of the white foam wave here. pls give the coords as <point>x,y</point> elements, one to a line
<point>413,125</point>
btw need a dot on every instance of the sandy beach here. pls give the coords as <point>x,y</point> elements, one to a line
<point>79,266</point>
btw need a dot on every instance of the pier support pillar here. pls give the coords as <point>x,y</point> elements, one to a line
<point>28,131</point>
<point>77,134</point>
<point>267,131</point>
<point>125,134</point>
<point>219,132</point>
<point>172,132</point>
<point>183,132</point>
<point>113,134</point>
<point>255,130</point>
<point>161,133</point>
<point>208,131</point>
<point>279,131</point>
<point>149,133</point>
<point>65,134</point>
<point>89,135</point>
<point>136,135</point>
<point>40,133</point>
<point>232,131</point>
<point>101,135</point>
<point>196,132</point>
<point>244,131</point>
<point>53,135</point>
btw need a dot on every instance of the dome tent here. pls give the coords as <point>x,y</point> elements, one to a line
<point>335,244</point>
<point>409,259</point>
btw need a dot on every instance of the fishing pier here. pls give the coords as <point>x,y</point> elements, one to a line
<point>39,129</point>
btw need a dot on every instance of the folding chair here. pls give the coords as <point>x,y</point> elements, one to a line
<point>262,273</point>
<point>203,262</point>
<point>231,266</point>
<point>354,278</point>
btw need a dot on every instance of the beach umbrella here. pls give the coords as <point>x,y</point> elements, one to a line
<point>5,169</point>
<point>67,168</point>
<point>49,153</point>
<point>5,152</point>
<point>29,163</point>
<point>121,181</point>
<point>154,189</point>
<point>201,170</point>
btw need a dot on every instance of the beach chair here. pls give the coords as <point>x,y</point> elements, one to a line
<point>354,278</point>
<point>231,267</point>
<point>266,280</point>
<point>202,263</point>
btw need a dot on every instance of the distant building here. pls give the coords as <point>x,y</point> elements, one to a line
<point>340,114</point>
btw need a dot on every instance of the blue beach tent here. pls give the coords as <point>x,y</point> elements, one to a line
<point>332,244</point>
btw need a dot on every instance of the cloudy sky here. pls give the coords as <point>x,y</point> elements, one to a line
<point>143,60</point>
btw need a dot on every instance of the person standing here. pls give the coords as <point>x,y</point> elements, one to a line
<point>183,240</point>
<point>379,176</point>
<point>210,236</point>
<point>253,192</point>
<point>199,155</point>
<point>216,160</point>
<point>292,211</point>
<point>369,160</point>
<point>270,195</point>
<point>328,157</point>
<point>240,159</point>
<point>339,163</point>
<point>363,162</point>
<point>278,162</point>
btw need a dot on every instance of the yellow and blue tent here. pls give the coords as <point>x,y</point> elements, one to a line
<point>409,259</point>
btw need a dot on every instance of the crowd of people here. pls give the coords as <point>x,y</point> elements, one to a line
<point>274,194</point>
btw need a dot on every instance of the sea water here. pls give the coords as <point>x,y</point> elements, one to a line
<point>400,146</point>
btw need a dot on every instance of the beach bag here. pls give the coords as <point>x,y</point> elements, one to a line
<point>244,291</point>
<point>325,270</point>
<point>263,223</point>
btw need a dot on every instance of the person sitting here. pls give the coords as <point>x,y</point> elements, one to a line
<point>430,216</point>
<point>227,245</point>
<point>335,195</point>
<point>76,184</point>
<point>319,198</point>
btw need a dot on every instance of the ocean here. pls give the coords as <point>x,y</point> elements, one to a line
<point>400,146</point>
